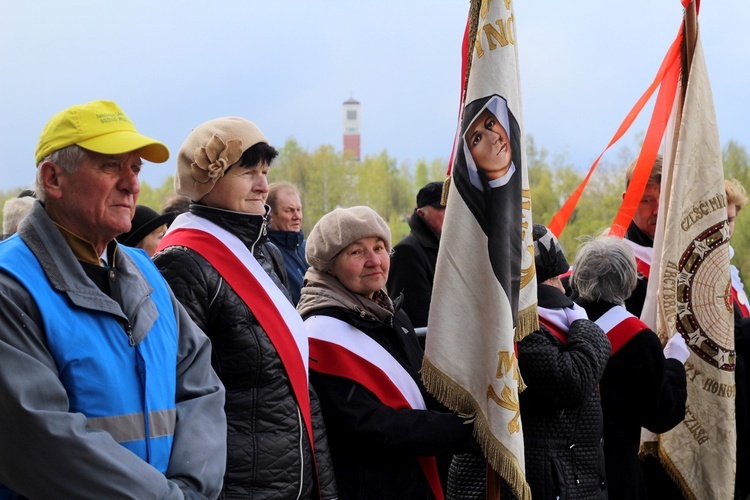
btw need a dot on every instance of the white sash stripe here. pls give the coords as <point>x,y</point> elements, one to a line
<point>642,253</point>
<point>558,317</point>
<point>355,341</point>
<point>555,316</point>
<point>738,286</point>
<point>612,318</point>
<point>235,245</point>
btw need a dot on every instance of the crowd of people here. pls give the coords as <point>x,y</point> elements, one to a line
<point>210,350</point>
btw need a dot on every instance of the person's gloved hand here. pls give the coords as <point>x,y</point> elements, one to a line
<point>574,313</point>
<point>676,348</point>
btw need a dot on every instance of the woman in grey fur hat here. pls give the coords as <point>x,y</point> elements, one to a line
<point>387,434</point>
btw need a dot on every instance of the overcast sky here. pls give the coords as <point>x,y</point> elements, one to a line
<point>288,65</point>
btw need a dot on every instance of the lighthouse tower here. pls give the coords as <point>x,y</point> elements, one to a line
<point>352,123</point>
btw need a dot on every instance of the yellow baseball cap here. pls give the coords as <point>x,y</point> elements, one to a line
<point>98,126</point>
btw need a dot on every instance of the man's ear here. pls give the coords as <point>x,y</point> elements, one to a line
<point>50,174</point>
<point>420,212</point>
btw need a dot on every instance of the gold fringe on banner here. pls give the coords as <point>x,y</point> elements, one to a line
<point>460,401</point>
<point>446,188</point>
<point>527,322</point>
<point>675,474</point>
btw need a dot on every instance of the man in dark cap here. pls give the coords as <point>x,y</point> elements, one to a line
<point>413,260</point>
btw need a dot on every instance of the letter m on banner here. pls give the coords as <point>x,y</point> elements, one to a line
<point>484,295</point>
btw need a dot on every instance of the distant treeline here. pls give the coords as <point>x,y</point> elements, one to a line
<point>327,179</point>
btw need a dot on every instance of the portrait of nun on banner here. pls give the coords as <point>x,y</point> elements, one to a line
<point>484,295</point>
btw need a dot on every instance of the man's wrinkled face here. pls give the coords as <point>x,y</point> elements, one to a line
<point>648,209</point>
<point>97,200</point>
<point>287,214</point>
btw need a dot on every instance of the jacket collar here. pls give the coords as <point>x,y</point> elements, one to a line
<point>287,239</point>
<point>251,229</point>
<point>424,233</point>
<point>322,290</point>
<point>637,236</point>
<point>67,276</point>
<point>550,297</point>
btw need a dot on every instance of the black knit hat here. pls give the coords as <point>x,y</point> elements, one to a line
<point>145,220</point>
<point>430,194</point>
<point>548,255</point>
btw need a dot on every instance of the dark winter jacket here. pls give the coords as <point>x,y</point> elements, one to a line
<point>560,412</point>
<point>742,400</point>
<point>413,269</point>
<point>639,388</point>
<point>269,451</point>
<point>375,447</point>
<point>634,303</point>
<point>292,247</point>
<point>560,408</point>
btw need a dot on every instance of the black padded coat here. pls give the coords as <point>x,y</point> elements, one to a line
<point>561,409</point>
<point>268,450</point>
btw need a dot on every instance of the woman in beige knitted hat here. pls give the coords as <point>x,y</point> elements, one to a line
<point>389,438</point>
<point>219,265</point>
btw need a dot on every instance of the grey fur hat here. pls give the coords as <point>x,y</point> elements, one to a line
<point>340,228</point>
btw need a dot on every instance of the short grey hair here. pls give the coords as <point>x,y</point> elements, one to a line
<point>653,178</point>
<point>276,188</point>
<point>604,270</point>
<point>14,210</point>
<point>68,158</point>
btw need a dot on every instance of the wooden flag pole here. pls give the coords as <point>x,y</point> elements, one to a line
<point>691,36</point>
<point>493,484</point>
<point>690,30</point>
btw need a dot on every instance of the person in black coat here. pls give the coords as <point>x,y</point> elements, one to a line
<point>414,257</point>
<point>736,199</point>
<point>230,279</point>
<point>642,385</point>
<point>387,434</point>
<point>561,364</point>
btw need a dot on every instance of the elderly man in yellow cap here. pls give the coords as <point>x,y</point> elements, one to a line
<point>106,385</point>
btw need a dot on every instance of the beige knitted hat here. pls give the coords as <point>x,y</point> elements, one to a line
<point>209,150</point>
<point>340,228</point>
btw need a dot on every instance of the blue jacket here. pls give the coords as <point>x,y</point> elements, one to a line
<point>81,368</point>
<point>292,246</point>
<point>110,377</point>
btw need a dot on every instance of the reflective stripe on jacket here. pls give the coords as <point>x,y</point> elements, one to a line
<point>126,390</point>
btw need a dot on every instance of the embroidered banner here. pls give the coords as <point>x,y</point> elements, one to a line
<point>694,295</point>
<point>484,296</point>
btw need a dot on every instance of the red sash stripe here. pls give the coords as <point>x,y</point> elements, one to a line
<point>554,330</point>
<point>258,301</point>
<point>332,359</point>
<point>643,267</point>
<point>621,333</point>
<point>743,307</point>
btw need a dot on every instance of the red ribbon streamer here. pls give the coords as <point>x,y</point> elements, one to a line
<point>666,78</point>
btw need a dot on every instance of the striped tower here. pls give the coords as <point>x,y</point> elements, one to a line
<point>351,122</point>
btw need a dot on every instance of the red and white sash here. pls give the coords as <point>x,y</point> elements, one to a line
<point>643,257</point>
<point>557,321</point>
<point>275,313</point>
<point>738,292</point>
<point>337,348</point>
<point>620,326</point>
